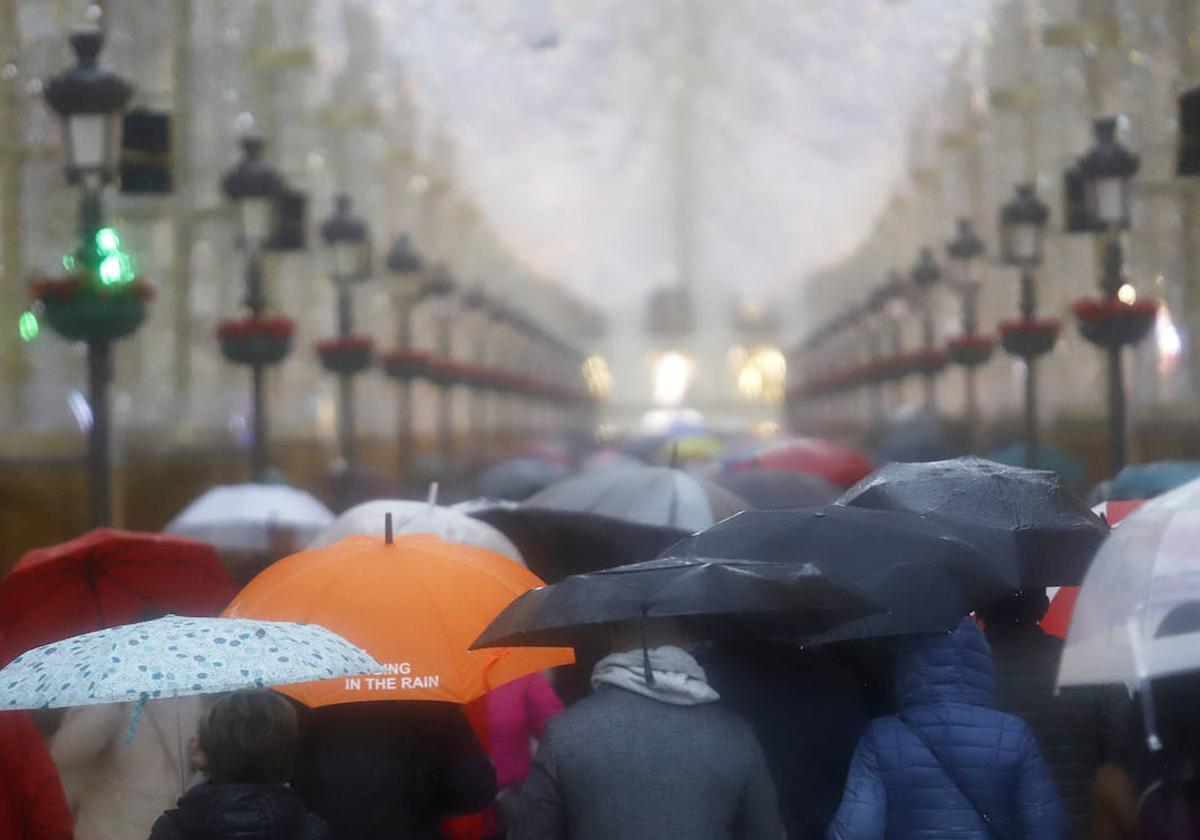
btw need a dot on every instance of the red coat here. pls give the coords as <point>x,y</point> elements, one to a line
<point>32,805</point>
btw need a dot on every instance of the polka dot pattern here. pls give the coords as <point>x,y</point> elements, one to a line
<point>174,657</point>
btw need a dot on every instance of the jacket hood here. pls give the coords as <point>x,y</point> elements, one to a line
<point>950,667</point>
<point>241,812</point>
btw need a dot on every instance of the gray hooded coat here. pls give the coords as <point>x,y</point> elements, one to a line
<point>620,765</point>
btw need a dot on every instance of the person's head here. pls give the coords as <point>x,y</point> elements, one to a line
<point>249,736</point>
<point>1024,607</point>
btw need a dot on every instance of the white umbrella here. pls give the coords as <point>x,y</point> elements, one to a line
<point>409,517</point>
<point>176,656</point>
<point>244,517</point>
<point>1146,571</point>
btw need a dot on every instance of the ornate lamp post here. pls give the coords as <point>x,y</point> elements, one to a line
<point>1109,322</point>
<point>1022,231</point>
<point>405,364</point>
<point>894,301</point>
<point>253,187</point>
<point>349,248</point>
<point>101,300</point>
<point>969,350</point>
<point>478,311</point>
<point>925,274</point>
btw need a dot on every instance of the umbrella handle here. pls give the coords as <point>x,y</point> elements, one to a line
<point>649,672</point>
<point>1142,672</point>
<point>135,718</point>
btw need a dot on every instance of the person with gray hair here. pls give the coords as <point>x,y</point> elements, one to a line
<point>651,753</point>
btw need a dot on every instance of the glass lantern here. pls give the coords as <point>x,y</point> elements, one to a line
<point>1022,228</point>
<point>1108,169</point>
<point>349,243</point>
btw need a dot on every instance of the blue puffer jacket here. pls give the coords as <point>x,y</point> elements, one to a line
<point>897,790</point>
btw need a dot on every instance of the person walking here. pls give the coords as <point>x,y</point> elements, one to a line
<point>651,753</point>
<point>947,764</point>
<point>391,770</point>
<point>517,714</point>
<point>32,805</point>
<point>117,787</point>
<point>1079,729</point>
<point>247,744</point>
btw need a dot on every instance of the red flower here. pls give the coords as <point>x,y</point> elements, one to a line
<point>1042,325</point>
<point>278,329</point>
<point>350,343</point>
<point>1093,310</point>
<point>67,287</point>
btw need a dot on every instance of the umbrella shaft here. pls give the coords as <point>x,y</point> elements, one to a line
<point>99,452</point>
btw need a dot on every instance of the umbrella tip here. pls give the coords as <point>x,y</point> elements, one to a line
<point>433,494</point>
<point>387,528</point>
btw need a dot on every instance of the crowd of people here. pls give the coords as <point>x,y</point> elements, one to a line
<point>962,733</point>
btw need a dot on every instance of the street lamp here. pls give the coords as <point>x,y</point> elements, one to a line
<point>102,301</point>
<point>1107,170</point>
<point>969,349</point>
<point>1022,231</point>
<point>253,187</point>
<point>348,244</point>
<point>90,101</point>
<point>924,275</point>
<point>477,310</point>
<point>406,264</point>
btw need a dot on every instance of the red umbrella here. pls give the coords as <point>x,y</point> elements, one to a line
<point>1058,617</point>
<point>106,578</point>
<point>835,462</point>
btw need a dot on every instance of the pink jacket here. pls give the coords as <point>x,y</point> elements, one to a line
<point>518,712</point>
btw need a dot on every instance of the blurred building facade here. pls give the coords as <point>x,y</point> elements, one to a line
<point>1018,109</point>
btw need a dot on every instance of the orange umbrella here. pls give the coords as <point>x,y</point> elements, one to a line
<point>416,604</point>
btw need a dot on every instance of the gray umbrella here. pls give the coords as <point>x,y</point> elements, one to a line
<point>656,496</point>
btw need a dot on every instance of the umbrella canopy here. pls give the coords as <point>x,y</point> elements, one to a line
<point>176,657</point>
<point>657,496</point>
<point>1012,514</point>
<point>710,599</point>
<point>1062,602</point>
<point>415,604</point>
<point>519,478</point>
<point>409,517</point>
<point>1148,569</point>
<point>558,543</point>
<point>834,462</point>
<point>104,578</point>
<point>244,517</point>
<point>779,489</point>
<point>1049,457</point>
<point>916,566</point>
<point>1148,481</point>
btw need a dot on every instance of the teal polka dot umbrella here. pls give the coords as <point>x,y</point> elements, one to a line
<point>176,656</point>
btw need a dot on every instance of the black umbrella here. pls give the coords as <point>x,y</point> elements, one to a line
<point>657,496</point>
<point>1008,512</point>
<point>558,543</point>
<point>779,489</point>
<point>709,598</point>
<point>519,478</point>
<point>916,566</point>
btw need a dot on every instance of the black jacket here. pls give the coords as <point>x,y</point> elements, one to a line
<point>1078,729</point>
<point>392,770</point>
<point>239,812</point>
<point>808,712</point>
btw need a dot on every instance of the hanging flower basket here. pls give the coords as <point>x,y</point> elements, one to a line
<point>926,362</point>
<point>80,309</point>
<point>406,365</point>
<point>1029,339</point>
<point>256,341</point>
<point>1112,323</point>
<point>346,356</point>
<point>443,372</point>
<point>970,350</point>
